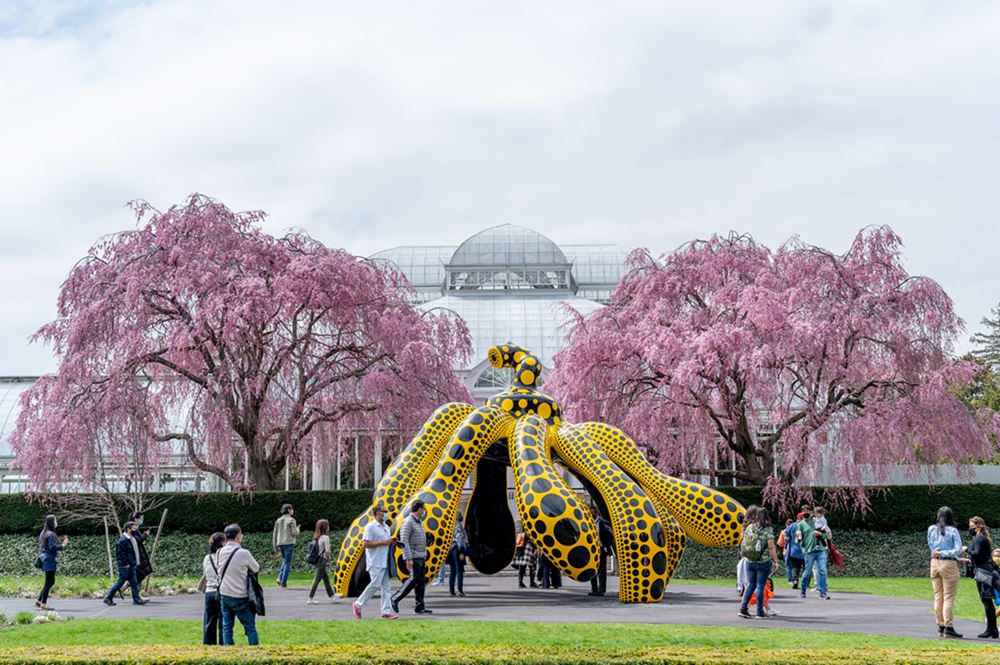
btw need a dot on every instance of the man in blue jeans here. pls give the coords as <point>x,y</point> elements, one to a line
<point>127,553</point>
<point>286,530</point>
<point>234,563</point>
<point>813,543</point>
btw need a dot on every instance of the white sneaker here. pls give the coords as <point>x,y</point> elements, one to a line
<point>437,581</point>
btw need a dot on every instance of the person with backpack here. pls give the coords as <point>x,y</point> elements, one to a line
<point>283,541</point>
<point>236,565</point>
<point>49,548</point>
<point>319,555</point>
<point>757,547</point>
<point>145,566</point>
<point>211,632</point>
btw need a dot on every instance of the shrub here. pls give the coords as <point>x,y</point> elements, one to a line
<point>24,618</point>
<point>462,655</point>
<point>205,513</point>
<point>177,555</point>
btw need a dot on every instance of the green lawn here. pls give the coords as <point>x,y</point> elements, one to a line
<point>131,632</point>
<point>967,603</point>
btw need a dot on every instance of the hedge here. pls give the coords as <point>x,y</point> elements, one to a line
<point>866,554</point>
<point>899,508</point>
<point>177,555</point>
<point>365,654</point>
<point>896,508</point>
<point>205,513</point>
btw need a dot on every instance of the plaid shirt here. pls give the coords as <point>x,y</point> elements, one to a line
<point>525,556</point>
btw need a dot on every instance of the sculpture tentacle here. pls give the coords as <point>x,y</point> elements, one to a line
<point>709,517</point>
<point>674,534</point>
<point>557,521</point>
<point>442,490</point>
<point>640,542</point>
<point>400,481</point>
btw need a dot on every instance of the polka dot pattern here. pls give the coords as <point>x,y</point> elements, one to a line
<point>652,514</point>
<point>639,539</point>
<point>403,477</point>
<point>522,398</point>
<point>442,490</point>
<point>551,513</point>
<point>709,517</point>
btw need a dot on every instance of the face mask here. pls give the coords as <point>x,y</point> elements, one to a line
<point>972,531</point>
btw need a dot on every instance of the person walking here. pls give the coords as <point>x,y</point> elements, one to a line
<point>945,545</point>
<point>812,540</point>
<point>378,542</point>
<point>236,562</point>
<point>456,557</point>
<point>413,538</point>
<point>127,554</point>
<point>321,538</point>
<point>524,560</point>
<point>286,530</point>
<point>144,568</point>
<point>211,631</point>
<point>599,582</point>
<point>757,547</point>
<point>794,558</point>
<point>981,555</point>
<point>49,548</point>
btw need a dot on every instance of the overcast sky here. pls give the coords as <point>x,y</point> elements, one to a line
<point>386,123</point>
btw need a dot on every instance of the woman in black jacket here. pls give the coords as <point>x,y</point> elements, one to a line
<point>981,555</point>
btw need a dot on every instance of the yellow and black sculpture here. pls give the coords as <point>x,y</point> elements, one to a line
<point>651,514</point>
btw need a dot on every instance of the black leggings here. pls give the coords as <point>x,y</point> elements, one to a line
<point>50,579</point>
<point>986,596</point>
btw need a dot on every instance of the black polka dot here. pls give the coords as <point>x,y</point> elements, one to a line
<point>553,505</point>
<point>566,531</point>
<point>466,434</point>
<point>541,485</point>
<point>579,557</point>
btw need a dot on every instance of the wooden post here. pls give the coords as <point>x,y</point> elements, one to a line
<point>152,555</point>
<point>107,542</point>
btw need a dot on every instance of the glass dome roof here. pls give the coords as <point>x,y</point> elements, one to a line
<point>508,245</point>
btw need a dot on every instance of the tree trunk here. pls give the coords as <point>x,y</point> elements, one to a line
<point>263,474</point>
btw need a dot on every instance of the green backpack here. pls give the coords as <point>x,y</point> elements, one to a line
<point>754,543</point>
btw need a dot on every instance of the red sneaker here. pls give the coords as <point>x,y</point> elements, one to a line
<point>357,610</point>
<point>390,615</point>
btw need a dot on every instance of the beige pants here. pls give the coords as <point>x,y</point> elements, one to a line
<point>944,577</point>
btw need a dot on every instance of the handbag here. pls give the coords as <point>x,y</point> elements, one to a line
<point>38,562</point>
<point>255,594</point>
<point>984,576</point>
<point>202,584</point>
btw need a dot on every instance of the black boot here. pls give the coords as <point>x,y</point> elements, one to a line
<point>951,632</point>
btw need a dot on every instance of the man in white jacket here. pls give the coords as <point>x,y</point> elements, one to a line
<point>234,563</point>
<point>378,542</point>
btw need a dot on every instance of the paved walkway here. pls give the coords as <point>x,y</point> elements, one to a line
<point>497,599</point>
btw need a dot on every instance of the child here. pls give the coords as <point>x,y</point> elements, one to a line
<point>768,595</point>
<point>996,592</point>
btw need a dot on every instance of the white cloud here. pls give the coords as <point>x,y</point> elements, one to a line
<point>371,125</point>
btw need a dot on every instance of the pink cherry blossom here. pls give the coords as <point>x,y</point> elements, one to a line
<point>200,330</point>
<point>797,360</point>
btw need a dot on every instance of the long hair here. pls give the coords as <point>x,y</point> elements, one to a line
<point>750,517</point>
<point>763,519</point>
<point>216,542</point>
<point>48,527</point>
<point>979,524</point>
<point>945,518</point>
<point>322,528</point>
